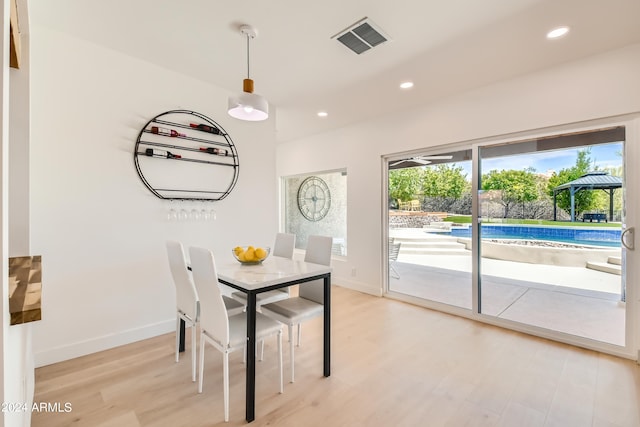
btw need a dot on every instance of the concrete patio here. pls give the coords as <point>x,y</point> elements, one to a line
<point>573,300</point>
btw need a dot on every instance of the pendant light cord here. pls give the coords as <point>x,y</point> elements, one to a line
<point>248,75</point>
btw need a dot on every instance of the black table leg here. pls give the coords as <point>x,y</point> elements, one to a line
<point>182,333</point>
<point>251,357</point>
<point>327,325</point>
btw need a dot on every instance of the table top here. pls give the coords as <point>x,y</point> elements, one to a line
<point>274,270</point>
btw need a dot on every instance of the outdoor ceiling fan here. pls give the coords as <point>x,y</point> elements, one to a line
<point>423,160</point>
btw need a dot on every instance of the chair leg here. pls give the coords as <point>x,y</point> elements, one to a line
<point>261,350</point>
<point>299,333</point>
<point>280,360</point>
<point>201,362</point>
<point>225,369</point>
<point>244,353</point>
<point>291,343</point>
<point>193,352</point>
<point>177,339</point>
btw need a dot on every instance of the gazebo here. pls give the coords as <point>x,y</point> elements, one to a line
<point>591,181</point>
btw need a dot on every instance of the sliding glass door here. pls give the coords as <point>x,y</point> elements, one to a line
<point>552,211</point>
<point>429,227</point>
<point>523,233</point>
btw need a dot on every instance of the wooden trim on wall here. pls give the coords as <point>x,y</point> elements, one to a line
<point>14,54</point>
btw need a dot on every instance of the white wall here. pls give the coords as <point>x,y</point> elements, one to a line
<point>100,232</point>
<point>595,87</point>
<point>19,154</point>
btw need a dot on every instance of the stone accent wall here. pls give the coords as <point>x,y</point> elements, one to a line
<point>414,219</point>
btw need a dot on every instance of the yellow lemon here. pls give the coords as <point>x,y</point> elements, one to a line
<point>249,254</point>
<point>238,250</point>
<point>242,257</point>
<point>260,254</point>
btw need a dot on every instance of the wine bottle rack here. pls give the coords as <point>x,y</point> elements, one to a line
<point>177,161</point>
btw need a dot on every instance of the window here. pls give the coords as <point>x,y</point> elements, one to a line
<point>316,203</point>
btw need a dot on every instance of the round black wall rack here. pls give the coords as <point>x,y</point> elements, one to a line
<point>184,155</point>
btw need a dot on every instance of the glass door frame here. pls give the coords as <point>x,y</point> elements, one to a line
<point>384,271</point>
<point>631,272</point>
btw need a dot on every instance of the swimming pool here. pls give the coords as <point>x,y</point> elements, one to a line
<point>609,237</point>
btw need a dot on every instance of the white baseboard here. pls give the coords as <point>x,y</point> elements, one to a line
<point>105,342</point>
<point>356,286</point>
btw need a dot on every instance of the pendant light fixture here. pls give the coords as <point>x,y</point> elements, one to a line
<point>248,105</point>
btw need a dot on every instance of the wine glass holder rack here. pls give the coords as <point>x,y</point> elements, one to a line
<point>191,137</point>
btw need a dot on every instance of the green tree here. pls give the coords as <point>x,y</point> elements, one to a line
<point>405,183</point>
<point>444,181</point>
<point>514,186</point>
<point>583,200</point>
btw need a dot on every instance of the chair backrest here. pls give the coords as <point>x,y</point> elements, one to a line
<point>394,250</point>
<point>337,249</point>
<point>213,314</point>
<point>284,245</point>
<point>186,294</point>
<point>318,252</point>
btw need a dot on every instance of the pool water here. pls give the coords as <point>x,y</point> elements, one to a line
<point>608,237</point>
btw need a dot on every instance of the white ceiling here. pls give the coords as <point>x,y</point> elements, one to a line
<point>445,47</point>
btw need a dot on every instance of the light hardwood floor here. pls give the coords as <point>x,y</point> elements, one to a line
<point>393,364</point>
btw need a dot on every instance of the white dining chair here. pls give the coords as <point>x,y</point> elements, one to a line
<point>309,302</point>
<point>187,304</point>
<point>223,332</point>
<point>283,247</point>
<point>187,301</point>
<point>394,251</point>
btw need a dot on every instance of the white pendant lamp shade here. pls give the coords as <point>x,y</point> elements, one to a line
<point>248,105</point>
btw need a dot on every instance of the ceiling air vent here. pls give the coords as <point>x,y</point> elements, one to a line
<point>361,36</point>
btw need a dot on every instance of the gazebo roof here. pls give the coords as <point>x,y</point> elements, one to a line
<point>597,179</point>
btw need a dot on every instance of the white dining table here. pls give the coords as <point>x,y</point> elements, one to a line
<point>274,273</point>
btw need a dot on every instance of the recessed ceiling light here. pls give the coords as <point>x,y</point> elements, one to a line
<point>406,85</point>
<point>557,32</point>
<point>322,114</point>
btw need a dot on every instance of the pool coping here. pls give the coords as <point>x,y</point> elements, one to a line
<point>569,257</point>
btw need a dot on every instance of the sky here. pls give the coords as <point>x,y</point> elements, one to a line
<point>603,156</point>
